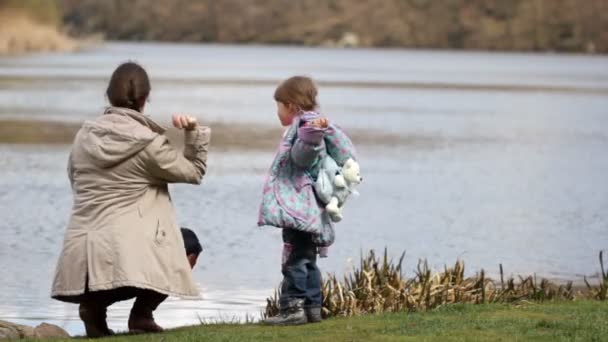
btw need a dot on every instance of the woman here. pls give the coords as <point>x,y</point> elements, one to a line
<point>122,240</point>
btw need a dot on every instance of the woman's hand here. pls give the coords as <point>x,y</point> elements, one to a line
<point>186,122</point>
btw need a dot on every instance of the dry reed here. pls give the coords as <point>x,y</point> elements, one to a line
<point>378,286</point>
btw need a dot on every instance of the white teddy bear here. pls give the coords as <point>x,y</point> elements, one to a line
<point>335,184</point>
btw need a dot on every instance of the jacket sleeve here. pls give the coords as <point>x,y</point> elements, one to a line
<point>165,163</point>
<point>308,146</point>
<point>339,146</point>
<point>71,170</point>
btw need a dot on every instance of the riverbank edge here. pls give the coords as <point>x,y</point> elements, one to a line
<point>570,320</point>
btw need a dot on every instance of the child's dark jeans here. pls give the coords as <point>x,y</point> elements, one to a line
<point>301,276</point>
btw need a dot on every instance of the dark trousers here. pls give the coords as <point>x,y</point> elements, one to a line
<point>146,301</point>
<point>301,276</point>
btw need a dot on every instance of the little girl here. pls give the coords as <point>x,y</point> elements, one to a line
<point>289,200</point>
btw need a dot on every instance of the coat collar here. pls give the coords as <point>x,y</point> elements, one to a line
<point>137,116</point>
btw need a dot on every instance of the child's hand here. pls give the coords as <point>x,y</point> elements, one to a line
<point>313,131</point>
<point>186,122</point>
<point>319,123</point>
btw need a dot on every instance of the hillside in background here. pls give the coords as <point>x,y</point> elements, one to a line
<point>522,25</point>
<point>538,25</point>
<point>32,26</point>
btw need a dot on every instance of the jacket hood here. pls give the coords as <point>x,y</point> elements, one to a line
<point>117,135</point>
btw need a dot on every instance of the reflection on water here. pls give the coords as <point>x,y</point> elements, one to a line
<point>511,177</point>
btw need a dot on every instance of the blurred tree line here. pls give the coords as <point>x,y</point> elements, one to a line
<point>554,25</point>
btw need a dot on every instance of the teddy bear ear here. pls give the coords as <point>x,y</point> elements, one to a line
<point>349,162</point>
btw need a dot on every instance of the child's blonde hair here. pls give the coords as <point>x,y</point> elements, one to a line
<point>300,91</point>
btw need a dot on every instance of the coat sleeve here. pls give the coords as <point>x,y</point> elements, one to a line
<point>166,163</point>
<point>339,146</point>
<point>308,146</point>
<point>71,170</point>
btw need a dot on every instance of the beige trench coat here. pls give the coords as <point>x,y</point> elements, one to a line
<point>123,230</point>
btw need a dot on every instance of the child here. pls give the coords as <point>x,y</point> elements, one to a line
<point>192,245</point>
<point>289,201</point>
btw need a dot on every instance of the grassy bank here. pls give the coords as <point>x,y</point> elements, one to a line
<point>377,303</point>
<point>551,321</point>
<point>32,26</point>
<point>21,33</point>
<point>46,12</point>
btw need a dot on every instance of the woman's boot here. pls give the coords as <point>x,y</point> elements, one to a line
<point>141,318</point>
<point>94,318</point>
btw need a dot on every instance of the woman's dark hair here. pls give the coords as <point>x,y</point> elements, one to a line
<point>129,86</point>
<point>193,246</point>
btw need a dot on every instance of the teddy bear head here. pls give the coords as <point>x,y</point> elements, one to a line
<point>351,172</point>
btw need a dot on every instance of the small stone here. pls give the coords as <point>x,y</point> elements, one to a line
<point>46,330</point>
<point>8,333</point>
<point>10,330</point>
<point>25,331</point>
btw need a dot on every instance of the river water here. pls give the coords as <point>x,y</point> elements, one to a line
<point>503,160</point>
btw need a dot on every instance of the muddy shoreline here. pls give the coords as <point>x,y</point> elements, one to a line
<point>225,136</point>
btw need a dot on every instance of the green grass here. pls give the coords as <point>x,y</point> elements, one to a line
<point>551,321</point>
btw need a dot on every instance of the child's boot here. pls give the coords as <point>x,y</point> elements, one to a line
<point>293,314</point>
<point>313,314</point>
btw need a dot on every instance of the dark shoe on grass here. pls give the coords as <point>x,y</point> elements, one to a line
<point>94,319</point>
<point>293,314</point>
<point>313,314</point>
<point>143,323</point>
